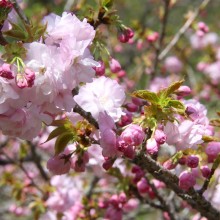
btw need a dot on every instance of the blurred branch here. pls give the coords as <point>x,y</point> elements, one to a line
<point>164,203</point>
<point>37,160</point>
<point>20,13</point>
<point>183,29</point>
<point>196,200</point>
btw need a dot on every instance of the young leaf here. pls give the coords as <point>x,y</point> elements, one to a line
<point>171,89</point>
<point>62,141</point>
<point>146,95</point>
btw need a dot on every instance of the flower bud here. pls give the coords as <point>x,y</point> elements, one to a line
<point>121,74</point>
<point>133,135</point>
<point>152,146</point>
<point>192,161</point>
<point>131,107</point>
<point>114,65</point>
<point>21,81</point>
<point>152,37</point>
<point>186,180</point>
<point>58,165</point>
<point>5,71</point>
<point>160,136</point>
<point>206,171</point>
<point>169,164</point>
<point>29,76</point>
<point>212,150</point>
<point>173,64</point>
<point>143,186</point>
<point>100,71</point>
<point>183,91</point>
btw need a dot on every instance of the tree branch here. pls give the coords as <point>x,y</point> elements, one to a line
<point>196,200</point>
<point>183,29</point>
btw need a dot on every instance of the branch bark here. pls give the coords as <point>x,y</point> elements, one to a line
<point>193,198</point>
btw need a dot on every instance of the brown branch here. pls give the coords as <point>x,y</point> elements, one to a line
<point>166,206</point>
<point>37,160</point>
<point>196,200</point>
<point>183,29</point>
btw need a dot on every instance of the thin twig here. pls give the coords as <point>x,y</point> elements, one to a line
<point>207,181</point>
<point>37,160</point>
<point>183,29</point>
<point>20,12</point>
<point>166,206</point>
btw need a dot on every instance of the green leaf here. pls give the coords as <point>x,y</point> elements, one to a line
<point>171,89</point>
<point>56,132</point>
<point>59,122</point>
<point>146,95</point>
<point>62,141</point>
<point>107,4</point>
<point>176,104</point>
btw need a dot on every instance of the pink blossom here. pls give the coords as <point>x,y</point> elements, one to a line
<point>133,135</point>
<point>192,161</point>
<point>103,94</point>
<point>183,91</point>
<point>152,146</point>
<point>108,140</point>
<point>114,65</point>
<point>173,64</point>
<point>206,171</point>
<point>160,136</point>
<point>143,186</point>
<point>212,150</point>
<point>186,180</point>
<point>6,72</point>
<point>58,165</point>
<point>100,70</point>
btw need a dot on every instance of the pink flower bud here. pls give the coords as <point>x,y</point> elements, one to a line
<point>152,146</point>
<point>169,164</point>
<point>129,152</point>
<point>133,135</point>
<point>182,160</point>
<point>160,136</point>
<point>143,186</point>
<point>5,4</point>
<point>137,101</point>
<point>203,27</point>
<point>152,37</point>
<point>186,180</point>
<point>100,71</point>
<point>29,76</point>
<point>58,165</point>
<point>122,198</point>
<point>114,65</point>
<point>121,74</point>
<point>21,81</point>
<point>173,64</point>
<point>129,32</point>
<point>206,171</point>
<point>183,91</point>
<point>108,163</point>
<point>123,38</point>
<point>192,161</point>
<point>131,107</point>
<point>5,71</point>
<point>212,150</point>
